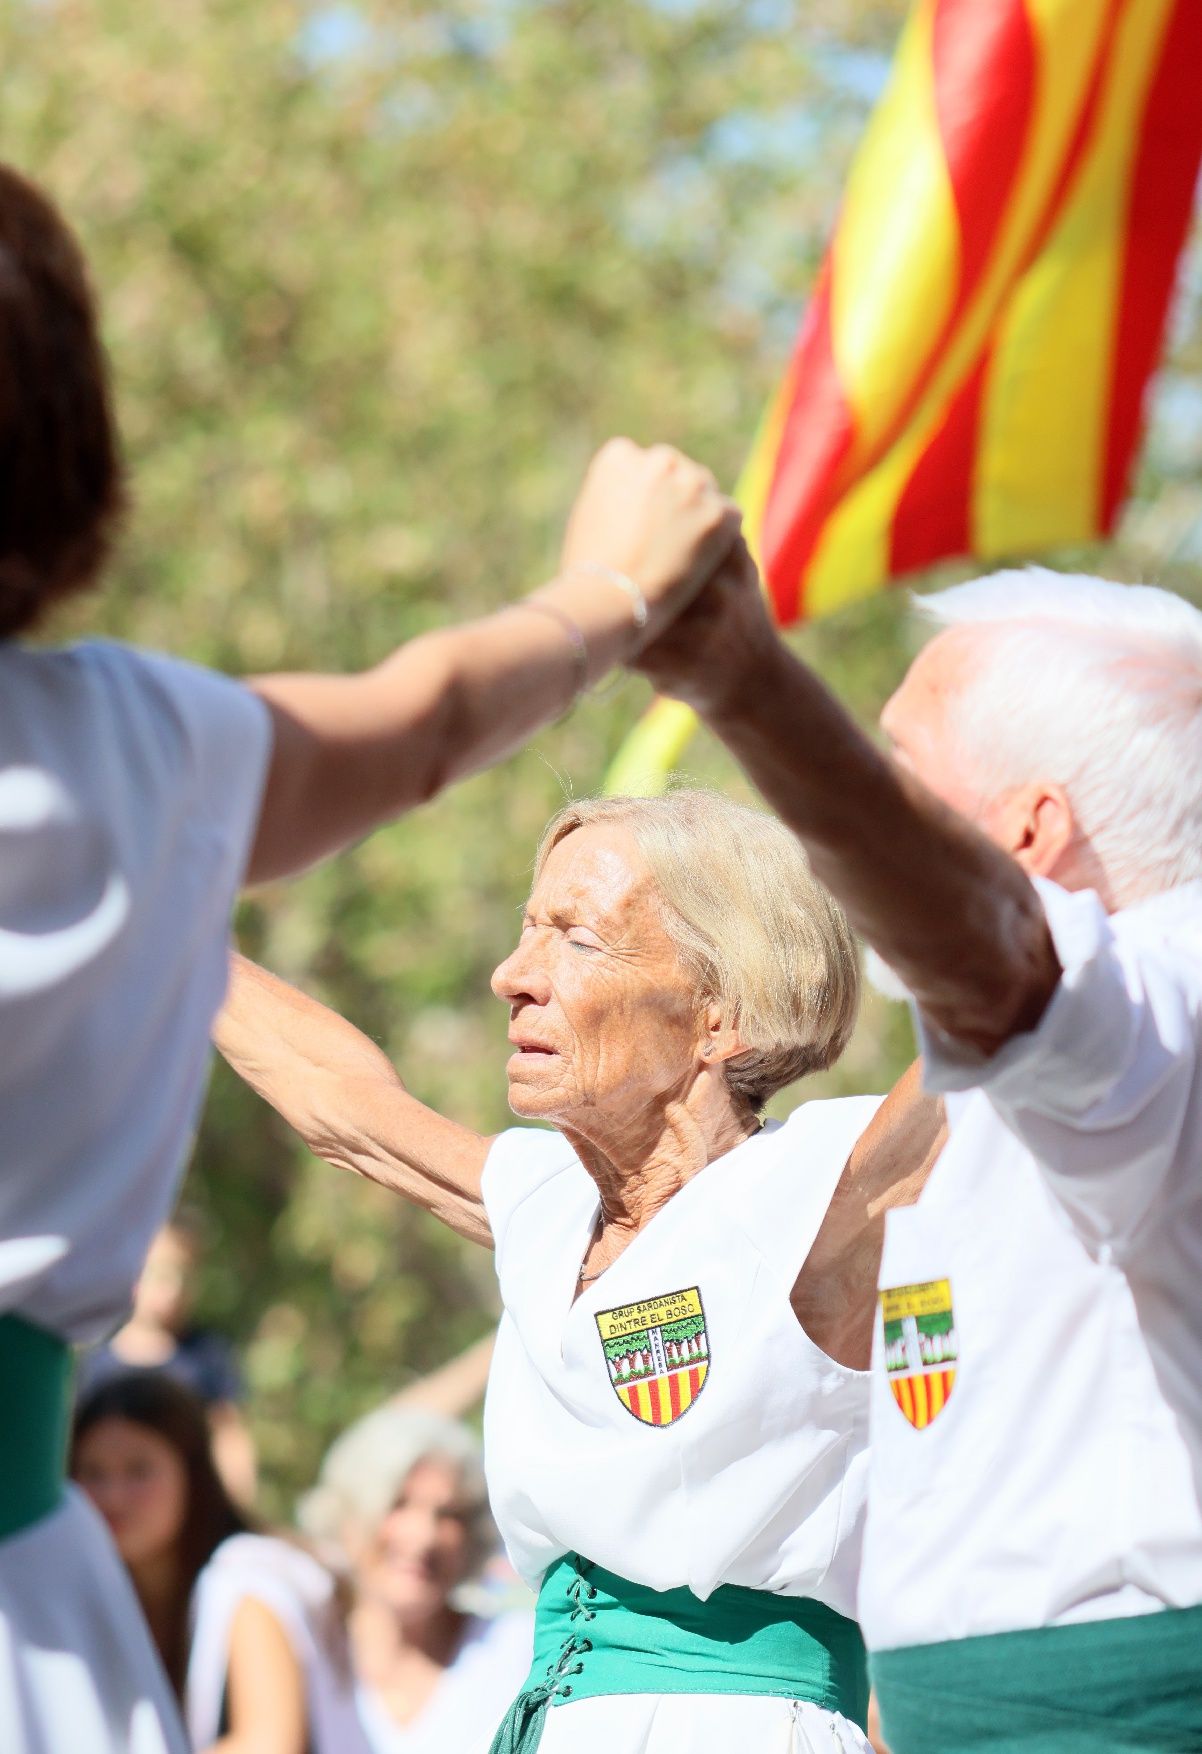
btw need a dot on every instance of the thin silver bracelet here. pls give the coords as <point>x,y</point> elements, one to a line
<point>625,584</point>
<point>575,635</point>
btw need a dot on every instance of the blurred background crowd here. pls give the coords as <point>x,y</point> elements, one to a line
<point>385,1621</point>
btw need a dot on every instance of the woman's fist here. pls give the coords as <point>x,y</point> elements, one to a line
<point>654,515</point>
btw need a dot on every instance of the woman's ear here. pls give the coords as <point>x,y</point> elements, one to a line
<point>720,1038</point>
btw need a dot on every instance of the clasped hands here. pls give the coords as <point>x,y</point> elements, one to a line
<point>660,520</point>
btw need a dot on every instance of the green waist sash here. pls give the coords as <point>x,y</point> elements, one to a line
<point>1101,1687</point>
<point>597,1634</point>
<point>35,1386</point>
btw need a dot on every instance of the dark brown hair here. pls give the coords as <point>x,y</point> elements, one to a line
<point>175,1414</point>
<point>61,485</point>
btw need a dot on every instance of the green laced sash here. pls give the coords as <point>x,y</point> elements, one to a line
<point>35,1399</point>
<point>596,1634</point>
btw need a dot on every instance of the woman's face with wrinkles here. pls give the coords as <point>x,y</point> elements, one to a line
<point>605,1020</point>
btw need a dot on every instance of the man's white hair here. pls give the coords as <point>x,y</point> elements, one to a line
<point>1098,687</point>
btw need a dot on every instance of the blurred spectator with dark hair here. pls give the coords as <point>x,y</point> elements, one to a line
<point>62,488</point>
<point>250,1627</point>
<point>161,1336</point>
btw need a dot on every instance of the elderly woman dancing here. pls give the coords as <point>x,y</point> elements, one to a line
<point>674,1462</point>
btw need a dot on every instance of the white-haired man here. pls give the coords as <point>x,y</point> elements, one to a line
<point>1033,1559</point>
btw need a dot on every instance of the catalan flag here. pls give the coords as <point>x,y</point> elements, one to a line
<point>970,374</point>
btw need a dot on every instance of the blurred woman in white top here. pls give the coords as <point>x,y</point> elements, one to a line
<point>251,1628</point>
<point>401,1500</point>
<point>136,795</point>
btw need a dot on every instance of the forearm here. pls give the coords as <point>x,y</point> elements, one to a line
<point>265,1687</point>
<point>346,1100</point>
<point>954,916</point>
<point>350,752</point>
<point>446,705</point>
<point>455,1388</point>
<point>290,1049</point>
<point>234,1453</point>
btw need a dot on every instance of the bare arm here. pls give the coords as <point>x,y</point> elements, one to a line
<point>834,1296</point>
<point>346,1100</point>
<point>453,1389</point>
<point>234,1452</point>
<point>265,1687</point>
<point>953,914</point>
<point>875,1735</point>
<point>351,752</point>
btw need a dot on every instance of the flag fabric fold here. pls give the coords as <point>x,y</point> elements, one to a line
<point>970,374</point>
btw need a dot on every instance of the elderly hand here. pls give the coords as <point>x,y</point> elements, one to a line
<point>654,516</point>
<point>717,644</point>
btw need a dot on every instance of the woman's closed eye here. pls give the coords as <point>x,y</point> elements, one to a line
<point>579,939</point>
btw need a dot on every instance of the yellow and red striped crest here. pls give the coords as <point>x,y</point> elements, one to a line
<point>657,1354</point>
<point>920,1348</point>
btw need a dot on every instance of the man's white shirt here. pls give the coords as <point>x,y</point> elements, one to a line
<point>1036,1454</point>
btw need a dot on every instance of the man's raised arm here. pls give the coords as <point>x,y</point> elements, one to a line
<point>345,1099</point>
<point>954,915</point>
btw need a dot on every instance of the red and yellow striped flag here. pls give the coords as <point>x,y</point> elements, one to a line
<point>969,377</point>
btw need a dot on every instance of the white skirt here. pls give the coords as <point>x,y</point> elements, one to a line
<point>78,1671</point>
<point>697,1723</point>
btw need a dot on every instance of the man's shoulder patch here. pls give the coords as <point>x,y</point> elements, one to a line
<point>921,1350</point>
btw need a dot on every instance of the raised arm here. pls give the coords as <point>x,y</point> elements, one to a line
<point>454,1388</point>
<point>346,1101</point>
<point>954,915</point>
<point>351,752</point>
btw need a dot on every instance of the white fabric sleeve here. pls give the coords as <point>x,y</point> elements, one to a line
<point>257,1568</point>
<point>1106,1091</point>
<point>520,1160</point>
<point>216,735</point>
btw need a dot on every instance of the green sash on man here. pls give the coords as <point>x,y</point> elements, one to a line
<point>1127,1686</point>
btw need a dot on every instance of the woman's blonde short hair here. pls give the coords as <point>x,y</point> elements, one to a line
<point>749,919</point>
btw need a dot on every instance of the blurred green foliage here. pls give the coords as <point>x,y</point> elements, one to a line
<point>377,279</point>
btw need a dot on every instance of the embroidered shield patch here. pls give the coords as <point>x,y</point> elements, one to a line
<point>920,1348</point>
<point>657,1354</point>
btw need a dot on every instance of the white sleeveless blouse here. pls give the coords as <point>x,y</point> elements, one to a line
<point>675,1425</point>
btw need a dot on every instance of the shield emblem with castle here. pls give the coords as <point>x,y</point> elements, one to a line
<point>657,1354</point>
<point>920,1348</point>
